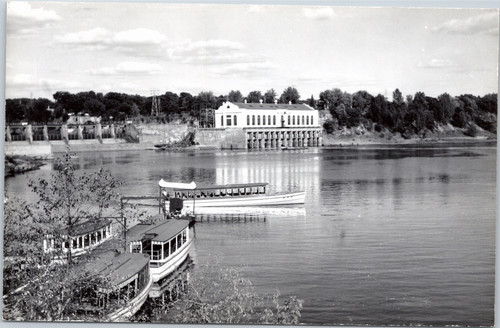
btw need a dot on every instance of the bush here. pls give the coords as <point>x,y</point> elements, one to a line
<point>329,126</point>
<point>471,130</point>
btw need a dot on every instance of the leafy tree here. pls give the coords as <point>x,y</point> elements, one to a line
<point>169,102</point>
<point>269,96</point>
<point>235,96</point>
<point>34,287</point>
<point>311,102</point>
<point>14,110</point>
<point>446,108</point>
<point>94,107</point>
<point>254,97</point>
<point>290,94</point>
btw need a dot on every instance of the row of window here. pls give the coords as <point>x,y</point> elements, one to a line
<point>158,252</point>
<point>292,120</point>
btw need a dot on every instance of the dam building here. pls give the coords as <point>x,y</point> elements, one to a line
<point>270,126</point>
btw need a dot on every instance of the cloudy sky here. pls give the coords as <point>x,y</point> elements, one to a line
<point>135,48</point>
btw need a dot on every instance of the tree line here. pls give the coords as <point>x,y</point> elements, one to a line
<point>411,114</point>
<point>406,115</point>
<point>120,106</point>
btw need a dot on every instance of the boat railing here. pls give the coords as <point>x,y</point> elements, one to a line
<point>220,191</point>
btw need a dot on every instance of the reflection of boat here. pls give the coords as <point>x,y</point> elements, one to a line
<point>249,194</point>
<point>166,243</point>
<point>250,210</point>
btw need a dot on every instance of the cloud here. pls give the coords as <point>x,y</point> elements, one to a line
<point>96,37</point>
<point>486,23</point>
<point>128,68</point>
<point>318,13</point>
<point>141,41</point>
<point>24,19</point>
<point>257,69</point>
<point>213,52</point>
<point>437,64</point>
<point>25,84</point>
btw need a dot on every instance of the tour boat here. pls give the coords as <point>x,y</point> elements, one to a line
<point>129,284</point>
<point>248,194</point>
<point>83,238</point>
<point>167,244</point>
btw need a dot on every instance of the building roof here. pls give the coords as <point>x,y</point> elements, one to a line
<point>273,106</point>
<point>161,231</point>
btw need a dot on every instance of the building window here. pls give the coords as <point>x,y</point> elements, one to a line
<point>253,119</point>
<point>307,119</point>
<point>268,119</point>
<point>274,119</point>
<point>228,118</point>
<point>312,120</point>
<point>293,120</point>
<point>263,119</point>
<point>288,119</point>
<point>235,121</point>
<point>303,120</point>
<point>258,119</point>
<point>248,119</point>
<point>222,120</point>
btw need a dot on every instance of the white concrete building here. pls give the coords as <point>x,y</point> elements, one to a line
<point>269,126</point>
<point>246,115</point>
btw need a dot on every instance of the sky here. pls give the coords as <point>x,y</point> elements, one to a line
<point>158,47</point>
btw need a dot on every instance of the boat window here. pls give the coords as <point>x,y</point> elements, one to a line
<point>135,248</point>
<point>146,247</point>
<point>173,245</point>
<point>156,252</point>
<point>166,250</point>
<point>86,241</point>
<point>179,241</point>
<point>184,237</point>
<point>75,243</point>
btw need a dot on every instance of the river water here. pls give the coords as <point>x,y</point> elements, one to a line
<point>392,236</point>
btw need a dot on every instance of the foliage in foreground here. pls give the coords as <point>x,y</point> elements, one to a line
<point>34,286</point>
<point>218,295</point>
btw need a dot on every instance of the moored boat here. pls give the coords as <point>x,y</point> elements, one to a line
<point>128,287</point>
<point>166,243</point>
<point>248,194</point>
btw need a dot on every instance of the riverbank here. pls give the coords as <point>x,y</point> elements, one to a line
<point>443,135</point>
<point>21,164</point>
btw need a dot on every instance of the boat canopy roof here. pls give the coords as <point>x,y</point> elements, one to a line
<point>161,231</point>
<point>86,227</point>
<point>177,185</point>
<point>118,268</point>
<point>230,186</point>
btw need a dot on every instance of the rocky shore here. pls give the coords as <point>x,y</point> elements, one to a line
<point>20,164</point>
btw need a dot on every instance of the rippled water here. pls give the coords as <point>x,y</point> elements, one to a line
<point>386,237</point>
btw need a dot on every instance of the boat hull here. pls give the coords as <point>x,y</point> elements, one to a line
<point>126,312</point>
<point>252,200</point>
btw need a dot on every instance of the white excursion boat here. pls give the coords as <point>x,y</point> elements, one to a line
<point>248,194</point>
<point>128,288</point>
<point>166,243</point>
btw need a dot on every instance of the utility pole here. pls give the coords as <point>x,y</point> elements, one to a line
<point>155,105</point>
